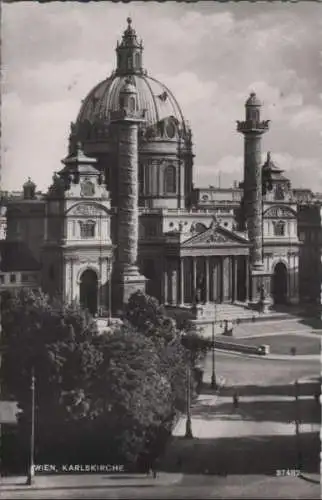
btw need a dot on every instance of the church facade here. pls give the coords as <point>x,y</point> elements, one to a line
<point>123,214</point>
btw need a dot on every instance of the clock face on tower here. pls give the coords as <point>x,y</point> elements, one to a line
<point>170,130</point>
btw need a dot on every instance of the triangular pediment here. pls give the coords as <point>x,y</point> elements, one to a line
<point>216,236</point>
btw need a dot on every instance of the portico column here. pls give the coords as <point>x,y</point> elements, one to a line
<point>71,279</point>
<point>207,279</point>
<point>221,279</point>
<point>194,278</point>
<point>215,280</point>
<point>182,288</point>
<point>247,278</point>
<point>174,283</point>
<point>231,278</point>
<point>235,278</point>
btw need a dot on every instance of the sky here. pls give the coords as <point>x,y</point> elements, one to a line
<point>211,55</point>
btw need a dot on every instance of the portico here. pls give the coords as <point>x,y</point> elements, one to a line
<point>203,279</point>
<point>210,267</point>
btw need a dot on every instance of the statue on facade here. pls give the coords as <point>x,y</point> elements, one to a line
<point>181,227</point>
<point>200,289</point>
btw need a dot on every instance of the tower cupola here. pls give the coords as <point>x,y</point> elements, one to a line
<point>129,52</point>
<point>253,106</point>
<point>29,189</point>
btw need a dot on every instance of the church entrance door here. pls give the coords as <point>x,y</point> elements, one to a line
<point>89,290</point>
<point>280,284</point>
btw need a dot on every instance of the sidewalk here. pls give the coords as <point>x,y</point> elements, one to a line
<point>72,481</point>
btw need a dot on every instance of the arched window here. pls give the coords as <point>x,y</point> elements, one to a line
<point>279,228</point>
<point>200,228</point>
<point>132,103</point>
<point>129,62</point>
<point>137,60</point>
<point>87,229</point>
<point>170,179</point>
<point>255,115</point>
<point>279,192</point>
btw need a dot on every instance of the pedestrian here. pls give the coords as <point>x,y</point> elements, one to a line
<point>154,471</point>
<point>317,397</point>
<point>235,401</point>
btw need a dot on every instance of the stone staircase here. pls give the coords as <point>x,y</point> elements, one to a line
<point>239,311</point>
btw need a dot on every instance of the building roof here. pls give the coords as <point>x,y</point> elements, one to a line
<point>16,256</point>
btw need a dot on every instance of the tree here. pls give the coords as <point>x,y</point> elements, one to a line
<point>97,397</point>
<point>133,394</point>
<point>175,337</point>
<point>149,317</point>
<point>61,344</point>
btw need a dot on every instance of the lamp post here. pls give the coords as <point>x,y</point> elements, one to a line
<point>297,426</point>
<point>110,269</point>
<point>188,433</point>
<point>31,471</point>
<point>213,374</point>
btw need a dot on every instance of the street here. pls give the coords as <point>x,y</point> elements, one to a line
<point>187,486</point>
<point>235,453</point>
<point>243,370</point>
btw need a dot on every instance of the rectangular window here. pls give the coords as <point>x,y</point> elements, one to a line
<point>1,279</point>
<point>13,278</point>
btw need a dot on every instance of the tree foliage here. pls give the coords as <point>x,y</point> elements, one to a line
<point>97,396</point>
<point>150,318</point>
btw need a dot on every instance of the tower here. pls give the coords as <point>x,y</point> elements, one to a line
<point>125,121</point>
<point>253,129</point>
<point>77,252</point>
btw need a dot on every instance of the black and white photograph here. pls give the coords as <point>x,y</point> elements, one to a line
<point>160,249</point>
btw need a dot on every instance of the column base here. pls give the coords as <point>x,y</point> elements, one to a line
<point>261,299</point>
<point>129,281</point>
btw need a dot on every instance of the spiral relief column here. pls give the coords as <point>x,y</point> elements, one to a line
<point>126,120</point>
<point>253,129</point>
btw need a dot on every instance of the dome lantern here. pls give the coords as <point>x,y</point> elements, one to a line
<point>129,52</point>
<point>29,189</point>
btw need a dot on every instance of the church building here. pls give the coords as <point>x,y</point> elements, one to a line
<point>123,214</point>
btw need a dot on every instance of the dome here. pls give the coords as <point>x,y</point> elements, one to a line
<point>153,97</point>
<point>253,100</point>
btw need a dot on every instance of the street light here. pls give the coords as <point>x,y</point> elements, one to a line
<point>31,471</point>
<point>110,269</point>
<point>297,426</point>
<point>188,433</point>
